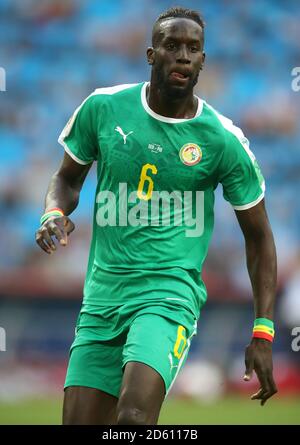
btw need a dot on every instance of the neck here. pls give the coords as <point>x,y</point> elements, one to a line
<point>175,107</point>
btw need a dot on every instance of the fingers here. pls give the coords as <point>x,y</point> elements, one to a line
<point>59,232</point>
<point>48,240</point>
<point>42,245</point>
<point>249,363</point>
<point>263,396</point>
<point>69,225</point>
<point>267,389</point>
<point>258,394</point>
<point>44,240</point>
<point>59,227</point>
<point>272,384</point>
<point>258,357</point>
<point>272,389</point>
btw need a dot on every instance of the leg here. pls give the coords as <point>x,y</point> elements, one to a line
<point>142,394</point>
<point>93,382</point>
<point>155,350</point>
<point>88,406</point>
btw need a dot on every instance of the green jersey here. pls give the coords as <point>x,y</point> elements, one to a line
<point>154,202</point>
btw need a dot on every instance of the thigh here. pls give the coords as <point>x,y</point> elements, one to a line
<point>155,350</point>
<point>88,406</point>
<point>141,396</point>
<point>93,383</point>
<point>160,343</point>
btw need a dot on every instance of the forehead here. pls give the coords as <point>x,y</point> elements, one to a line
<point>179,28</point>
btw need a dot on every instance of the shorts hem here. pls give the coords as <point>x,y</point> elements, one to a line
<point>146,362</point>
<point>99,387</point>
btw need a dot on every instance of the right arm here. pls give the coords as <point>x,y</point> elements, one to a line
<point>63,192</point>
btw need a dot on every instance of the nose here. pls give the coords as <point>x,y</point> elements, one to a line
<point>183,55</point>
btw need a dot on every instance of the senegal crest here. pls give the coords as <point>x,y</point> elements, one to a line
<point>190,154</point>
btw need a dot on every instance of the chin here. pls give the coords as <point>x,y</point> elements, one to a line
<point>177,91</point>
<point>173,90</point>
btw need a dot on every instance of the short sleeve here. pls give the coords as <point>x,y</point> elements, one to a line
<point>240,175</point>
<point>79,137</point>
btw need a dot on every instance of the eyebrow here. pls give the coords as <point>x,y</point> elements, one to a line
<point>177,39</point>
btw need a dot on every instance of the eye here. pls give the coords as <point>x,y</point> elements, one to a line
<point>194,49</point>
<point>170,46</point>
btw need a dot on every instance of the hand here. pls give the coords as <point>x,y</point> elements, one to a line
<point>59,227</point>
<point>258,357</point>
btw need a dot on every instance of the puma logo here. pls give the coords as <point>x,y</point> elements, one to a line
<point>124,136</point>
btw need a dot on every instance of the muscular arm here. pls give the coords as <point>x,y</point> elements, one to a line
<point>262,268</point>
<point>65,185</point>
<point>63,192</point>
<point>261,258</point>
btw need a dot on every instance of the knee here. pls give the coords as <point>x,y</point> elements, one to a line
<point>132,416</point>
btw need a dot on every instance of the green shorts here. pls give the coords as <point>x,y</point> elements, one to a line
<point>102,346</point>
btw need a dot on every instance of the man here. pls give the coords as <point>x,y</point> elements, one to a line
<point>161,152</point>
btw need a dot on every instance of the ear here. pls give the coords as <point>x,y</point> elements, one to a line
<point>203,60</point>
<point>150,55</point>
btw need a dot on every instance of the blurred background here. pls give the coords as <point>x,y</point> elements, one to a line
<point>55,53</point>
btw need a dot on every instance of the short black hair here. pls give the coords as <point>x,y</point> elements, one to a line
<point>179,12</point>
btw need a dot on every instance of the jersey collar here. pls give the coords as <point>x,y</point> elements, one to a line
<point>169,120</point>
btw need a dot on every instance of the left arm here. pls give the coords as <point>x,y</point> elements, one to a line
<point>262,269</point>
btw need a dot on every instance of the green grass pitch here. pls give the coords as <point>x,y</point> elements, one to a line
<point>231,410</point>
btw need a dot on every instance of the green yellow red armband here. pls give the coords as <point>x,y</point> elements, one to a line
<point>263,328</point>
<point>52,212</point>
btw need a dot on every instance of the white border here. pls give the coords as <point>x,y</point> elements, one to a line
<point>251,204</point>
<point>71,154</point>
<point>182,358</point>
<point>237,132</point>
<point>168,120</point>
